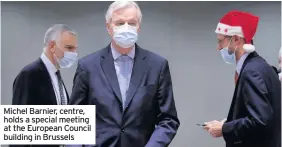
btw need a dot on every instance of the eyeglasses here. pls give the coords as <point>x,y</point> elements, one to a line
<point>220,41</point>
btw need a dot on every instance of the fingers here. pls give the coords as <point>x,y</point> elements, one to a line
<point>206,128</point>
<point>214,121</point>
<point>212,127</point>
<point>212,133</point>
<point>208,125</point>
<point>211,122</point>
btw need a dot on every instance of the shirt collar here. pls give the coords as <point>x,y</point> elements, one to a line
<point>240,63</point>
<point>49,65</point>
<point>117,54</point>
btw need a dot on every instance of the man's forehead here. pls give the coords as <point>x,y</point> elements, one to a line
<point>67,34</point>
<point>219,36</point>
<point>125,13</point>
<point>69,38</point>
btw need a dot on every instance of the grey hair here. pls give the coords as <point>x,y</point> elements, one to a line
<point>53,33</point>
<point>117,5</point>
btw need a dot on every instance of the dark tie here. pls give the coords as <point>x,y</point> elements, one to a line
<point>61,89</point>
<point>236,77</point>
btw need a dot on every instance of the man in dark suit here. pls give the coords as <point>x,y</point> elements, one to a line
<point>40,83</point>
<point>130,86</point>
<point>254,119</point>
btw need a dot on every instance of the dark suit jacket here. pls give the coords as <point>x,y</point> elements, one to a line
<point>150,100</point>
<point>276,70</point>
<point>254,119</point>
<point>33,86</point>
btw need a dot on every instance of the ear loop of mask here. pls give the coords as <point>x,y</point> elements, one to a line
<point>228,45</point>
<point>235,47</point>
<point>57,58</point>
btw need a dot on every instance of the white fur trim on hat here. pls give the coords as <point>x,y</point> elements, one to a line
<point>248,48</point>
<point>225,29</point>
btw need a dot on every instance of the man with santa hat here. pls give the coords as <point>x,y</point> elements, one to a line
<point>254,118</point>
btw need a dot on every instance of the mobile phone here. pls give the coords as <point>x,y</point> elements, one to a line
<point>201,125</point>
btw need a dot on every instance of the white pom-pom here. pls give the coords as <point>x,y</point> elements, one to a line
<point>249,48</point>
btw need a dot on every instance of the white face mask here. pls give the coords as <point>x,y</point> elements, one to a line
<point>125,36</point>
<point>68,59</point>
<point>227,56</point>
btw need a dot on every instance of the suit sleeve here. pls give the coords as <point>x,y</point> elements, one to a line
<point>80,88</point>
<point>22,89</point>
<point>260,113</point>
<point>22,92</point>
<point>167,121</point>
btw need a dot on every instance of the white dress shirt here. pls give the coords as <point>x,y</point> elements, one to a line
<point>52,72</point>
<point>241,62</point>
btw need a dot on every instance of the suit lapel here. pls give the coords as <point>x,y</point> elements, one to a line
<point>139,67</point>
<point>47,79</point>
<point>108,67</point>
<point>250,56</point>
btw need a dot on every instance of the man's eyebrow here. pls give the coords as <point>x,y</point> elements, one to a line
<point>119,20</point>
<point>133,19</point>
<point>69,46</point>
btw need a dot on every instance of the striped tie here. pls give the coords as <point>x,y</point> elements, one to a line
<point>61,89</point>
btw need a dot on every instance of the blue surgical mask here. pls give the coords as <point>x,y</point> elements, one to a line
<point>228,57</point>
<point>68,59</point>
<point>125,36</point>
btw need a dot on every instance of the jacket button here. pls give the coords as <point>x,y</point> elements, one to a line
<point>122,129</point>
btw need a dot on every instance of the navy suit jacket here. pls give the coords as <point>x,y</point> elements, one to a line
<point>150,117</point>
<point>33,86</point>
<point>254,119</point>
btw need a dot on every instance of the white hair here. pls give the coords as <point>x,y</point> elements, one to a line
<point>53,33</point>
<point>117,5</point>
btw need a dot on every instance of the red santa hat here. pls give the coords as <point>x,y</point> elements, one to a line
<point>241,24</point>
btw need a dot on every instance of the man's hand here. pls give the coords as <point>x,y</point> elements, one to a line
<point>214,128</point>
